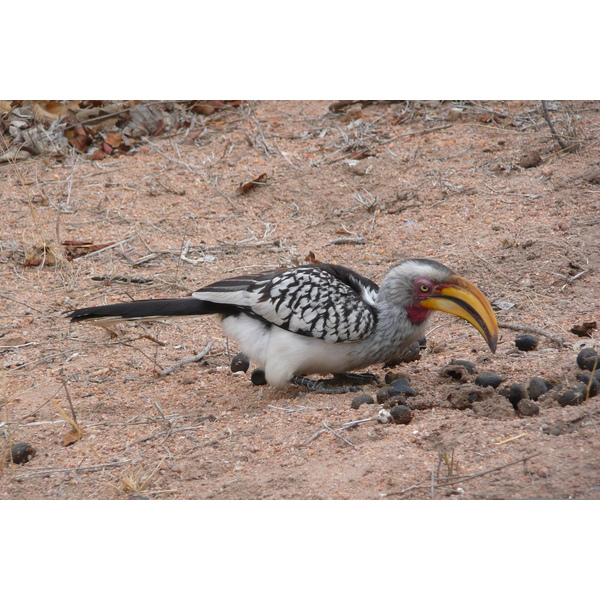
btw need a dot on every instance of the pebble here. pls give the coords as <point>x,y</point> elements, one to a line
<point>390,377</point>
<point>537,387</point>
<point>488,378</point>
<point>516,393</point>
<point>591,388</point>
<point>258,377</point>
<point>358,401</point>
<point>571,398</point>
<point>588,359</point>
<point>401,414</point>
<point>22,453</point>
<point>526,342</point>
<point>400,386</point>
<point>528,408</point>
<point>240,362</point>
<point>467,364</point>
<point>382,395</point>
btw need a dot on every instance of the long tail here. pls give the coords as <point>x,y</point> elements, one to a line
<point>145,310</point>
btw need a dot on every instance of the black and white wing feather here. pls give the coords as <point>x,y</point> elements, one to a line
<point>328,302</point>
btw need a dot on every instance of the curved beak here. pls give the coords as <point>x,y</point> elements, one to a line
<point>460,297</point>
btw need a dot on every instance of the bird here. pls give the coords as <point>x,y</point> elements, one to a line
<point>320,318</point>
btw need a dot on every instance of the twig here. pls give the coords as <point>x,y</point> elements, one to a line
<point>554,134</point>
<point>186,361</point>
<point>456,480</point>
<point>338,435</point>
<point>75,469</point>
<point>421,132</point>
<point>23,303</point>
<point>346,240</point>
<point>105,248</point>
<point>529,329</point>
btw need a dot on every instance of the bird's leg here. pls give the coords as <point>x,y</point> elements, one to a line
<point>355,378</point>
<point>323,386</point>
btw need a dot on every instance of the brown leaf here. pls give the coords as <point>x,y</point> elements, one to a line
<point>75,249</point>
<point>79,138</point>
<point>585,329</point>
<point>246,187</point>
<point>72,436</point>
<point>311,258</point>
<point>114,140</point>
<point>97,155</point>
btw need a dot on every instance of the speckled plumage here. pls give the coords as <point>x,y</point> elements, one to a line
<point>316,318</point>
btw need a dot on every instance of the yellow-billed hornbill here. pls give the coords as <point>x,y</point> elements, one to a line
<point>320,318</point>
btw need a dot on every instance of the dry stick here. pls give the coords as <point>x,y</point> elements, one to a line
<point>23,303</point>
<point>338,435</point>
<point>346,240</point>
<point>105,248</point>
<point>75,469</point>
<point>186,361</point>
<point>64,382</point>
<point>418,486</point>
<point>554,134</point>
<point>529,329</point>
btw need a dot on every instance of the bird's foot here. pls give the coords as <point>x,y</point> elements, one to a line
<point>355,378</point>
<point>324,386</point>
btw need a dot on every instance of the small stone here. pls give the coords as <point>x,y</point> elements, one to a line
<point>528,408</point>
<point>592,388</point>
<point>588,360</point>
<point>530,160</point>
<point>542,472</point>
<point>537,387</point>
<point>526,342</point>
<point>240,362</point>
<point>401,414</point>
<point>413,353</point>
<point>22,453</point>
<point>467,364</point>
<point>571,398</point>
<point>258,377</point>
<point>516,392</point>
<point>583,354</point>
<point>390,376</point>
<point>382,395</point>
<point>358,401</point>
<point>488,378</point>
<point>401,387</point>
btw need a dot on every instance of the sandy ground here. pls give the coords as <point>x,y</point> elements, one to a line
<point>480,187</point>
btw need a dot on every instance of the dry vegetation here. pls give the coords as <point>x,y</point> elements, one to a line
<point>103,203</point>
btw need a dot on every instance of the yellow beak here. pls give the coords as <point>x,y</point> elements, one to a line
<point>460,297</point>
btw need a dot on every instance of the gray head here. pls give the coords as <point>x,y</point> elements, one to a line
<point>420,285</point>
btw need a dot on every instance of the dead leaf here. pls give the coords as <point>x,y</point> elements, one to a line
<point>114,140</point>
<point>38,255</point>
<point>47,112</point>
<point>311,258</point>
<point>79,138</point>
<point>246,187</point>
<point>585,329</point>
<point>97,155</point>
<point>72,436</point>
<point>74,249</point>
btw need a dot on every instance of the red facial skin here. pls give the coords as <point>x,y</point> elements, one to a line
<point>417,313</point>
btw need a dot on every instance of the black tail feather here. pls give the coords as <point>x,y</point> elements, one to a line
<point>140,310</point>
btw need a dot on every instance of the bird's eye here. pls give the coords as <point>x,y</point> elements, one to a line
<point>425,288</point>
